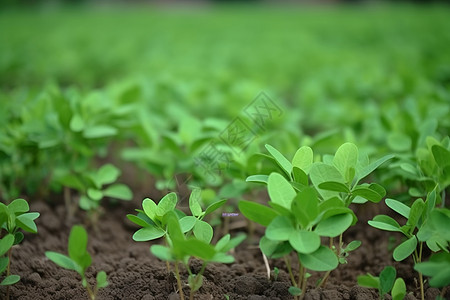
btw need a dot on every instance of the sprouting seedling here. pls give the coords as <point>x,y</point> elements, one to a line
<point>276,272</point>
<point>14,217</point>
<point>180,249</point>
<point>79,260</point>
<point>385,283</point>
<point>415,229</point>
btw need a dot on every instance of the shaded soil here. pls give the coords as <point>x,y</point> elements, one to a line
<point>133,273</point>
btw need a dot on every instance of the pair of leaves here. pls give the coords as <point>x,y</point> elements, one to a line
<point>16,215</point>
<point>385,283</point>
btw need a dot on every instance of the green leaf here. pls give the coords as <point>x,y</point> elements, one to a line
<point>149,208</point>
<point>299,176</point>
<point>417,210</point>
<point>61,260</point>
<point>76,123</point>
<point>282,161</point>
<point>101,279</point>
<point>162,252</point>
<point>441,156</point>
<point>305,206</point>
<point>94,194</point>
<point>26,221</point>
<point>258,178</point>
<point>334,226</point>
<point>148,234</point>
<point>280,229</point>
<point>234,242</point>
<point>367,193</point>
<point>256,212</point>
<point>106,174</point>
<point>198,248</point>
<point>405,249</point>
<point>303,159</point>
<point>3,264</point>
<point>323,259</point>
<point>384,222</point>
<point>294,291</point>
<point>321,172</point>
<point>18,206</point>
<point>387,278</point>
<point>334,186</point>
<point>194,202</point>
<point>274,249</point>
<point>304,241</point>
<point>399,142</point>
<point>78,240</point>
<point>353,245</point>
<point>203,231</point>
<point>368,281</point>
<point>438,268</point>
<point>214,206</point>
<point>345,160</point>
<point>6,243</point>
<point>138,221</point>
<point>373,166</point>
<point>99,131</point>
<point>222,242</point>
<point>166,204</point>
<point>280,190</point>
<point>195,281</point>
<point>187,223</point>
<point>11,279</point>
<point>398,207</point>
<point>118,191</point>
<point>399,289</point>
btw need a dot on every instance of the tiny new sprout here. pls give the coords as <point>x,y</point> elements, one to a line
<point>385,283</point>
<point>79,260</point>
<point>13,217</point>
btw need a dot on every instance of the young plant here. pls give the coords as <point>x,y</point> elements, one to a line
<point>79,260</point>
<point>301,213</point>
<point>14,217</point>
<point>385,283</point>
<point>94,186</point>
<point>185,236</point>
<point>181,248</point>
<point>420,227</point>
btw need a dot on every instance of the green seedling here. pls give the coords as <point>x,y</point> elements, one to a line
<point>310,200</point>
<point>14,217</point>
<point>385,283</point>
<point>181,248</point>
<point>79,260</point>
<point>151,217</point>
<point>424,225</point>
<point>94,186</point>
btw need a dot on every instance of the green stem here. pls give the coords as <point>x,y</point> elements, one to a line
<point>8,272</point>
<point>420,274</point>
<point>291,275</point>
<point>177,272</point>
<point>443,198</point>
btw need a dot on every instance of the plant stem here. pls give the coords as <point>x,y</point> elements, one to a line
<point>291,275</point>
<point>420,274</point>
<point>443,199</point>
<point>180,289</point>
<point>8,272</point>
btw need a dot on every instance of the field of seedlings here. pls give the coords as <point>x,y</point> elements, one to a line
<point>235,152</point>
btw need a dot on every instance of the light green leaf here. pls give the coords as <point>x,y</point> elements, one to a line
<point>6,243</point>
<point>305,206</point>
<point>280,229</point>
<point>280,190</point>
<point>323,259</point>
<point>99,131</point>
<point>303,159</point>
<point>385,223</point>
<point>194,202</point>
<point>203,231</point>
<point>11,279</point>
<point>282,161</point>
<point>373,166</point>
<point>94,194</point>
<point>304,241</point>
<point>77,123</point>
<point>18,206</point>
<point>405,249</point>
<point>166,204</point>
<point>399,289</point>
<point>149,208</point>
<point>274,249</point>
<point>334,226</point>
<point>441,156</point>
<point>106,174</point>
<point>345,160</point>
<point>78,240</point>
<point>258,178</point>
<point>321,172</point>
<point>101,279</point>
<point>214,206</point>
<point>26,221</point>
<point>256,212</point>
<point>162,252</point>
<point>148,234</point>
<point>334,186</point>
<point>118,191</point>
<point>61,260</point>
<point>398,207</point>
<point>368,281</point>
<point>187,223</point>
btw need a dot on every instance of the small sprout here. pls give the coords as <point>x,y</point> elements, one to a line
<point>386,283</point>
<point>13,217</point>
<point>276,272</point>
<point>79,260</point>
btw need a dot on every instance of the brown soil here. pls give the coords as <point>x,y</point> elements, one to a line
<point>134,273</point>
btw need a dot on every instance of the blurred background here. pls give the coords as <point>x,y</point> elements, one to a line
<point>153,82</point>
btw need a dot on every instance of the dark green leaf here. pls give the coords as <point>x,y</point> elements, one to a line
<point>405,249</point>
<point>257,212</point>
<point>282,161</point>
<point>323,259</point>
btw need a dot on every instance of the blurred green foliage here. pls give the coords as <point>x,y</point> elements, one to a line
<point>164,82</point>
